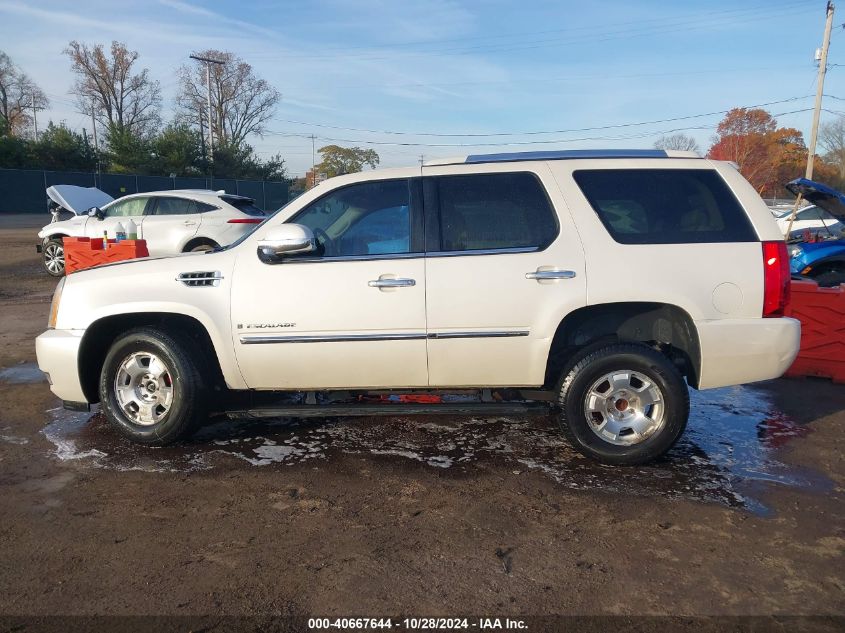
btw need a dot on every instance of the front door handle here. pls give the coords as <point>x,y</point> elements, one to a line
<point>189,223</point>
<point>391,283</point>
<point>540,274</point>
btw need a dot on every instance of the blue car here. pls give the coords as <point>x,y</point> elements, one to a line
<point>823,262</point>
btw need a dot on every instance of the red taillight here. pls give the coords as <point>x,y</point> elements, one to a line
<point>776,282</point>
<point>245,221</point>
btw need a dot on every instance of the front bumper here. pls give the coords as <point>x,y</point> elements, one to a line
<point>58,354</point>
<point>737,351</point>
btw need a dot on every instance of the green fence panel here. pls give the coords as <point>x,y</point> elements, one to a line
<point>190,183</point>
<point>154,183</point>
<point>117,185</point>
<point>22,191</point>
<point>275,195</point>
<point>252,189</point>
<point>229,185</point>
<point>80,179</point>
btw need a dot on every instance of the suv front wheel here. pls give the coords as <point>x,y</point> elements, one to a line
<point>623,404</point>
<point>151,387</point>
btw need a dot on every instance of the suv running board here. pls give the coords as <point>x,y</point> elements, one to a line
<point>346,410</point>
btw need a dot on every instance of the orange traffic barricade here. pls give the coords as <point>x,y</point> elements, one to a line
<point>822,315</point>
<point>85,252</point>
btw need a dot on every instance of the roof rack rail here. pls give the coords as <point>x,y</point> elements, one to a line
<point>566,154</point>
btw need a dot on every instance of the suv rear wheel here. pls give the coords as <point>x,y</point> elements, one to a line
<point>151,387</point>
<point>623,404</point>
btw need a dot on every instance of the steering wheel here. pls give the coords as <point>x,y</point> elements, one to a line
<point>326,242</point>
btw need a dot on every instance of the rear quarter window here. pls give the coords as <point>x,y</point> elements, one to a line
<point>244,205</point>
<point>665,206</point>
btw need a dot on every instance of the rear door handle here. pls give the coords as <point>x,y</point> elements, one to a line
<point>540,275</point>
<point>391,283</point>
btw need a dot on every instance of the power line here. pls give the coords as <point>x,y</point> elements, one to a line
<point>523,143</point>
<point>533,132</point>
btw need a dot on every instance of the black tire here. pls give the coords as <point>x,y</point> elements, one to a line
<point>53,256</point>
<point>202,247</point>
<point>830,277</point>
<point>590,366</point>
<point>189,405</point>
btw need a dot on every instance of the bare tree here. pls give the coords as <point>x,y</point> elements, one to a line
<point>241,103</point>
<point>119,96</point>
<point>832,141</point>
<point>18,95</point>
<point>677,141</point>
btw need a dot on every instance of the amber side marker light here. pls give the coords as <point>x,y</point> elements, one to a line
<point>54,305</point>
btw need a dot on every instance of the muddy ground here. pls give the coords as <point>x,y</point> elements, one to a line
<point>400,516</point>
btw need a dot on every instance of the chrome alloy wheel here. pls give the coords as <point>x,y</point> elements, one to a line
<point>54,258</point>
<point>144,388</point>
<point>624,407</point>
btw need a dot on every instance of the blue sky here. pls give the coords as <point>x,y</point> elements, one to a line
<point>454,67</point>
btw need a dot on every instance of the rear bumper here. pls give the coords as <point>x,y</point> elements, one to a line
<point>737,351</point>
<point>58,353</point>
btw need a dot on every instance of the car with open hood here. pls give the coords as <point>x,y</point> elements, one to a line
<point>171,222</point>
<point>823,260</point>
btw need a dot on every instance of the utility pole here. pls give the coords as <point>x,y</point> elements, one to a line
<point>96,144</point>
<point>814,130</point>
<point>313,162</point>
<point>208,62</point>
<point>35,110</point>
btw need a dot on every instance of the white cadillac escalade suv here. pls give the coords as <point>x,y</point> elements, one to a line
<point>602,282</point>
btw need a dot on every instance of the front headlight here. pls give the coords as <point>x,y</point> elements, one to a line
<point>54,306</point>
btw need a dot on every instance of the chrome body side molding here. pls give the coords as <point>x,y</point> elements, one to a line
<point>264,339</point>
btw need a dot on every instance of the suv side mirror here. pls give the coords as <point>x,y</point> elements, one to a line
<point>286,239</point>
<point>96,212</point>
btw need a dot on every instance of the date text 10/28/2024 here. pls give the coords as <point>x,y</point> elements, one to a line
<point>417,623</point>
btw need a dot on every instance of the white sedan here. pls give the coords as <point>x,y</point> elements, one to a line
<point>171,222</point>
<point>813,219</point>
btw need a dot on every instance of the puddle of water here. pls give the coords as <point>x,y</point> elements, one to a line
<point>22,374</point>
<point>727,454</point>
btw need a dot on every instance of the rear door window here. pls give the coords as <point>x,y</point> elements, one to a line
<point>665,206</point>
<point>482,212</point>
<point>168,205</point>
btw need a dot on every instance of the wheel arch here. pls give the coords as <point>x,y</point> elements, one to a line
<point>100,334</point>
<point>666,327</point>
<point>53,236</point>
<point>197,241</point>
<point>837,259</point>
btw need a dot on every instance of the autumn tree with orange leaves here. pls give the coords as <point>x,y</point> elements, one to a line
<point>768,156</point>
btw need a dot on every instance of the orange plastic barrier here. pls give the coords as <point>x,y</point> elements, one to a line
<point>822,315</point>
<point>85,252</point>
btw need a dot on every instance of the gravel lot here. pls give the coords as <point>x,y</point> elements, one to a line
<point>396,516</point>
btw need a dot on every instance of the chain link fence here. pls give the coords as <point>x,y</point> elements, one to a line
<point>23,190</point>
